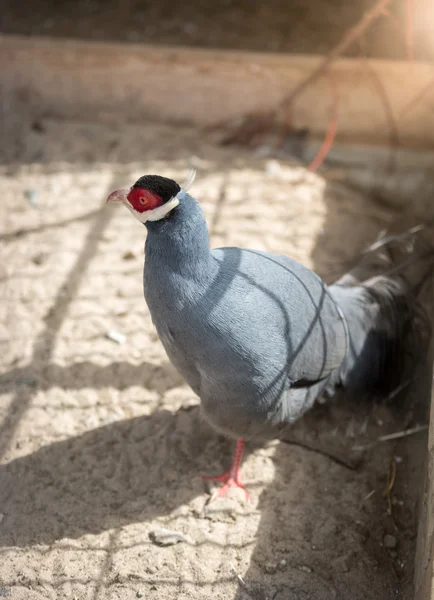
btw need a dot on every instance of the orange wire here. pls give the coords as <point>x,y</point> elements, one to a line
<point>331,130</point>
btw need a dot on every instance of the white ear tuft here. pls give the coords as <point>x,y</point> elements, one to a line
<point>190,180</point>
<point>162,211</point>
<point>156,214</point>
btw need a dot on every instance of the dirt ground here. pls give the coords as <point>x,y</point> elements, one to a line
<point>102,444</point>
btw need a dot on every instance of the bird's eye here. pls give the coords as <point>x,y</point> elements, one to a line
<point>142,200</point>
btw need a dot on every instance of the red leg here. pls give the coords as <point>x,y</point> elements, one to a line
<point>232,477</point>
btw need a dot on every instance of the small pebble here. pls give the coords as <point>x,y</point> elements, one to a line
<point>116,336</point>
<point>139,594</point>
<point>340,564</point>
<point>390,541</point>
<point>273,168</point>
<point>305,569</point>
<point>128,255</point>
<point>108,236</point>
<point>223,510</point>
<point>167,537</point>
<point>32,197</point>
<point>39,259</point>
<point>270,568</point>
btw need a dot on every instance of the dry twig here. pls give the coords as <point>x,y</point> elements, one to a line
<point>367,498</point>
<point>392,436</point>
<point>239,578</point>
<point>391,477</point>
<point>342,461</point>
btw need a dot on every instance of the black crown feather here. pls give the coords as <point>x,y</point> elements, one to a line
<point>162,186</point>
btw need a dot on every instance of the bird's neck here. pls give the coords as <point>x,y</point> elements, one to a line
<point>180,242</point>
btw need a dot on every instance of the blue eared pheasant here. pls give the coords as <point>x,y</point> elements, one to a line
<point>258,336</point>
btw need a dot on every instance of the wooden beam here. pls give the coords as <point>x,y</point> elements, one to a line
<point>90,80</point>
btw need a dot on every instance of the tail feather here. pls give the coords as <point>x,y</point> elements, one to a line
<point>387,302</point>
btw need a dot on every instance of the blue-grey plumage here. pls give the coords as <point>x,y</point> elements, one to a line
<point>253,333</point>
<point>258,336</point>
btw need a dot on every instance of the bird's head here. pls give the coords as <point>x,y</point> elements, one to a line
<point>151,198</point>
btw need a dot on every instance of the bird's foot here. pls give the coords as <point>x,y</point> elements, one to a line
<point>228,479</point>
<point>232,477</point>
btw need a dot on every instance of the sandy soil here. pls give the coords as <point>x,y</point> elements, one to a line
<point>102,443</point>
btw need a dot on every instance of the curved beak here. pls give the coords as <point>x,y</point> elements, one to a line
<point>118,196</point>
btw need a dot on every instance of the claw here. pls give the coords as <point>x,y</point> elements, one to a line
<point>232,477</point>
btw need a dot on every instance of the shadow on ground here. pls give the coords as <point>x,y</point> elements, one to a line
<point>320,532</point>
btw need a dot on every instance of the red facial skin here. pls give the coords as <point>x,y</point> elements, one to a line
<point>142,200</point>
